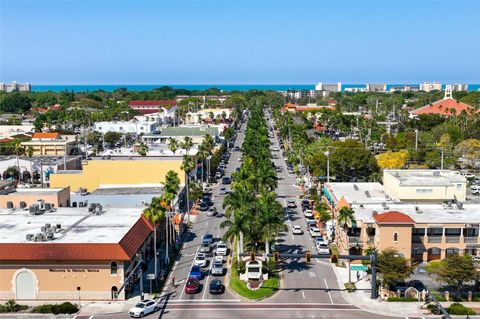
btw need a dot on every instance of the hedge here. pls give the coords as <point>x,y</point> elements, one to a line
<point>56,309</point>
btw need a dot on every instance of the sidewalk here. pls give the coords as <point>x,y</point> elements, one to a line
<point>361,298</point>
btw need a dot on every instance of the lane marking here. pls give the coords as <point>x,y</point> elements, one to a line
<point>328,290</point>
<point>182,285</point>
<point>303,294</point>
<point>206,279</point>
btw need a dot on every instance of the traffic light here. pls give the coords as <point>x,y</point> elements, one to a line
<point>276,256</point>
<point>252,256</point>
<point>308,256</point>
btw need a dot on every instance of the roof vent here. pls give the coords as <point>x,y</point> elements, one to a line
<point>355,187</point>
<point>384,205</point>
<point>367,193</point>
<point>459,205</point>
<point>23,204</point>
<point>29,237</point>
<point>418,210</point>
<point>10,205</point>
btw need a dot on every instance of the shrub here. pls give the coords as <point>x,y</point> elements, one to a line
<point>434,309</point>
<point>402,299</point>
<point>12,306</point>
<point>459,309</point>
<point>56,309</point>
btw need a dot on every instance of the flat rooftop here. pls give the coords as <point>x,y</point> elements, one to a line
<point>185,131</point>
<point>77,224</point>
<point>35,191</point>
<point>119,197</point>
<point>426,177</point>
<point>360,192</point>
<point>423,213</point>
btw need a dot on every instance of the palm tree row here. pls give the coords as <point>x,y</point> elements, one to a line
<point>251,208</point>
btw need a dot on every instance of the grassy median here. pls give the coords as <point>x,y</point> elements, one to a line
<point>269,287</point>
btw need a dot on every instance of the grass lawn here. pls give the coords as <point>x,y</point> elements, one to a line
<point>269,287</point>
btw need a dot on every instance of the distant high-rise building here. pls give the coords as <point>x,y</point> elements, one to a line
<point>427,86</point>
<point>14,86</point>
<point>459,87</point>
<point>374,87</point>
<point>325,89</point>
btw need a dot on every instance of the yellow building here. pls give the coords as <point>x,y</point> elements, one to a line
<point>138,172</point>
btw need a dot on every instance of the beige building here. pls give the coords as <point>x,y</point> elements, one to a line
<point>422,230</point>
<point>51,144</point>
<point>70,253</point>
<point>206,114</point>
<point>24,197</point>
<point>425,185</point>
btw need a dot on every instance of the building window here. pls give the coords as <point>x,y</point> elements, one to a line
<point>435,231</point>
<point>470,251</point>
<point>395,237</point>
<point>417,251</point>
<point>451,251</point>
<point>434,251</point>
<point>453,232</point>
<point>113,268</point>
<point>418,231</point>
<point>424,190</point>
<point>459,186</point>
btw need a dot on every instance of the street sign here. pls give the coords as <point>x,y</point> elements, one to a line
<point>150,276</point>
<point>359,267</point>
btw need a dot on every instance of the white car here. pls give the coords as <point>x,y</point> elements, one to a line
<point>221,249</point>
<point>322,248</point>
<point>218,258</point>
<point>475,187</point>
<point>297,230</point>
<point>315,231</point>
<point>308,213</point>
<point>143,308</point>
<point>201,260</point>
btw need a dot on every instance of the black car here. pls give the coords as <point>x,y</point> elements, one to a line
<point>236,149</point>
<point>204,206</point>
<point>216,287</point>
<point>226,180</point>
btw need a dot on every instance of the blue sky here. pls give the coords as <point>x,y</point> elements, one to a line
<point>239,42</point>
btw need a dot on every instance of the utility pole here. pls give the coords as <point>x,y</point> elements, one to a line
<point>167,259</point>
<point>327,153</point>
<point>441,161</point>
<point>373,263</point>
<point>416,139</point>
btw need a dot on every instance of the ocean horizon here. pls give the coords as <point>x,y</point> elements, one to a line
<point>200,87</point>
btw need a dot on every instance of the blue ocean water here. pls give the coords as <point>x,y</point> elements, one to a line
<point>226,87</point>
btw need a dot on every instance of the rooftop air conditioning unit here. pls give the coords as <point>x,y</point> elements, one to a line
<point>355,187</point>
<point>23,205</point>
<point>29,237</point>
<point>39,237</point>
<point>51,233</point>
<point>367,193</point>
<point>459,205</point>
<point>34,209</point>
<point>10,205</point>
<point>98,209</point>
<point>41,204</point>
<point>58,228</point>
<point>74,204</point>
<point>48,207</point>
<point>48,226</point>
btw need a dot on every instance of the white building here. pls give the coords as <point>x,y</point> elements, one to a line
<point>14,86</point>
<point>459,87</point>
<point>205,115</point>
<point>427,86</point>
<point>144,124</point>
<point>372,87</point>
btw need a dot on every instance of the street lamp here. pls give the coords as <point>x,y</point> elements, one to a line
<point>327,154</point>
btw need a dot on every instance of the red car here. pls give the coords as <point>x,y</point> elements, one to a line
<point>192,286</point>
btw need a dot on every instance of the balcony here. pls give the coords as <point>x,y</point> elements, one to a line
<point>434,239</point>
<point>470,240</point>
<point>418,239</point>
<point>452,239</point>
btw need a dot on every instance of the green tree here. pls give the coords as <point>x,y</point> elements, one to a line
<point>155,212</point>
<point>187,166</point>
<point>187,144</point>
<point>345,217</point>
<point>14,102</point>
<point>392,267</point>
<point>173,145</point>
<point>454,270</point>
<point>142,149</point>
<point>112,138</point>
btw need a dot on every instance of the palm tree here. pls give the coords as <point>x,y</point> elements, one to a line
<point>173,145</point>
<point>188,165</point>
<point>172,184</point>
<point>142,149</point>
<point>345,216</point>
<point>155,212</point>
<point>235,228</point>
<point>187,144</point>
<point>202,155</point>
<point>272,216</point>
<point>18,150</point>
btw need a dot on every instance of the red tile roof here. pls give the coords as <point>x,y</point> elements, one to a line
<point>5,140</point>
<point>45,135</point>
<point>152,103</point>
<point>124,250</point>
<point>393,217</point>
<point>444,107</point>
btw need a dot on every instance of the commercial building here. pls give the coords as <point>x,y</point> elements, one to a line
<point>7,131</point>
<point>373,87</point>
<point>145,124</point>
<point>52,144</point>
<point>70,253</point>
<point>118,172</point>
<point>14,86</point>
<point>197,133</point>
<point>404,88</point>
<point>427,86</point>
<point>208,115</point>
<point>13,198</point>
<point>422,228</point>
<point>325,89</point>
<point>151,106</point>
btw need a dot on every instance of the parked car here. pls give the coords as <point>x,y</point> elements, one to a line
<point>218,175</point>
<point>226,180</point>
<point>315,231</point>
<point>204,206</point>
<point>201,260</point>
<point>192,286</point>
<point>236,148</point>
<point>297,230</point>
<point>223,191</point>
<point>212,211</point>
<point>196,272</point>
<point>217,268</point>
<point>216,287</point>
<point>306,204</point>
<point>143,308</point>
<point>308,213</point>
<point>475,188</point>
<point>221,249</point>
<point>311,223</point>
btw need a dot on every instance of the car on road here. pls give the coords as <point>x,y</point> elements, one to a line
<point>475,188</point>
<point>216,287</point>
<point>226,180</point>
<point>218,175</point>
<point>322,248</point>
<point>221,249</point>
<point>192,286</point>
<point>320,239</point>
<point>201,260</point>
<point>275,149</point>
<point>477,192</point>
<point>196,272</point>
<point>218,258</point>
<point>207,242</point>
<point>311,223</point>
<point>204,206</point>
<point>212,211</point>
<point>217,268</point>
<point>306,204</point>
<point>291,203</point>
<point>315,231</point>
<point>223,191</point>
<point>297,230</point>
<point>236,148</point>
<point>143,308</point>
<point>308,213</point>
